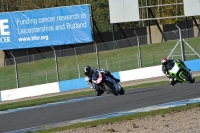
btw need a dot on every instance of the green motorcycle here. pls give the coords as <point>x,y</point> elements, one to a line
<point>179,72</point>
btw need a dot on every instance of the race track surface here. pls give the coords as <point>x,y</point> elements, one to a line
<point>93,106</point>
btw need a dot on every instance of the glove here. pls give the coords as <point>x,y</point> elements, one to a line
<point>87,79</point>
<point>167,74</point>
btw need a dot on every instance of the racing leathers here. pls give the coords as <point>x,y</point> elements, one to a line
<point>98,91</point>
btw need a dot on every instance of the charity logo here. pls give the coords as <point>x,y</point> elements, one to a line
<point>4,31</point>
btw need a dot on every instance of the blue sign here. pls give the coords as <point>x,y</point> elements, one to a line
<point>45,27</point>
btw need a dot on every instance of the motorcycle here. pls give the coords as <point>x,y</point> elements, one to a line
<point>107,84</point>
<point>180,72</point>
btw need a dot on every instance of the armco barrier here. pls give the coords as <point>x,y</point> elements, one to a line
<point>80,83</point>
<point>141,73</point>
<point>30,91</point>
<point>73,84</point>
<point>194,65</point>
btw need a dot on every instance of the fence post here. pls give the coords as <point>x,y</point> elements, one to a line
<point>139,50</point>
<point>36,80</point>
<point>77,62</point>
<point>113,34</point>
<point>97,54</point>
<point>56,62</point>
<point>119,63</point>
<point>79,73</point>
<point>138,60</point>
<point>182,44</point>
<point>16,70</point>
<point>107,64</point>
<point>46,76</point>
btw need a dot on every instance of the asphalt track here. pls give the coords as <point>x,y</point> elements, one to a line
<point>90,105</point>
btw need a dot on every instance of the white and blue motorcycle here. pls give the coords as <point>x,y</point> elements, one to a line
<point>107,84</point>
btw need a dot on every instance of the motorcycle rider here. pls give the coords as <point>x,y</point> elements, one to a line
<point>88,73</point>
<point>164,62</point>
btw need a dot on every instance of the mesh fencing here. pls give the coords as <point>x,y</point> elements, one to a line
<point>115,56</point>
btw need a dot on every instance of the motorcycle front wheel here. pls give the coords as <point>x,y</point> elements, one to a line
<point>121,91</point>
<point>187,77</point>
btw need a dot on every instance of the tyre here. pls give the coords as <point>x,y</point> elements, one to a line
<point>187,77</point>
<point>193,80</point>
<point>99,92</point>
<point>109,86</point>
<point>121,91</point>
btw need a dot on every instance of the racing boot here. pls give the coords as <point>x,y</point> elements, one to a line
<point>172,82</point>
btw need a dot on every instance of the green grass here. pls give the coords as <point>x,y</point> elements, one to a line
<point>44,71</point>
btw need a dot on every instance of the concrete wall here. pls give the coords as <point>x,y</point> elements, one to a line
<point>196,30</point>
<point>30,91</point>
<point>156,36</point>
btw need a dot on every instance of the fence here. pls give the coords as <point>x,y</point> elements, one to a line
<point>119,55</point>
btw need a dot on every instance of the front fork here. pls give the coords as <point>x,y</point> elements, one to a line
<point>104,84</point>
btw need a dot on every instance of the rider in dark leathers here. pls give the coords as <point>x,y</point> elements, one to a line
<point>88,73</point>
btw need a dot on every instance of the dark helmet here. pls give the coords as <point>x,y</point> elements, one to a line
<point>87,71</point>
<point>164,61</point>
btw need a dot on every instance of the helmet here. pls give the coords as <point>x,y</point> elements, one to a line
<point>87,71</point>
<point>164,60</point>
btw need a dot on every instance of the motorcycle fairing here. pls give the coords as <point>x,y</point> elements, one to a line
<point>114,83</point>
<point>98,78</point>
<point>175,69</point>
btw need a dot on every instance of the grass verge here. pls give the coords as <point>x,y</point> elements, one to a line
<point>121,118</point>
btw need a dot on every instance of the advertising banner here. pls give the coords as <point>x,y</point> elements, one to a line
<point>45,27</point>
